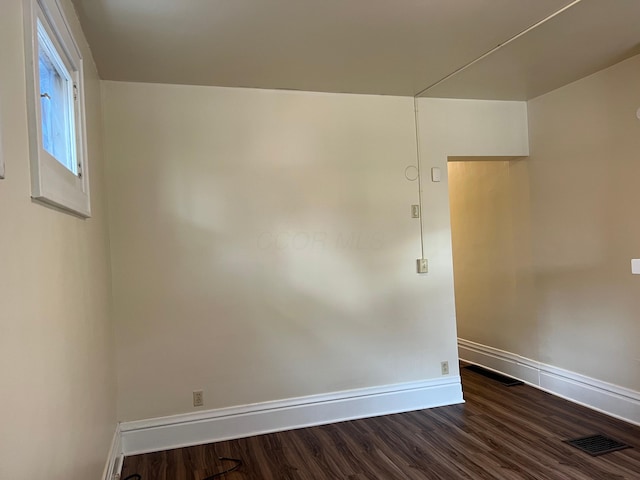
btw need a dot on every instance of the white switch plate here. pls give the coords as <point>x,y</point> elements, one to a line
<point>422,265</point>
<point>635,266</point>
<point>435,174</point>
<point>415,211</point>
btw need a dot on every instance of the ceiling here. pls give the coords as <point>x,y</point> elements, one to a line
<point>584,39</point>
<point>390,47</point>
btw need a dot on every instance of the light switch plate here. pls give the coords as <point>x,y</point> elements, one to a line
<point>422,265</point>
<point>635,266</point>
<point>435,174</point>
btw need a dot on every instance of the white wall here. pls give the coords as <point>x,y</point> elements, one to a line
<point>57,375</point>
<point>262,246</point>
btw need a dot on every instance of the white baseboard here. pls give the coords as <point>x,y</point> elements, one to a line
<point>237,422</point>
<point>613,400</point>
<point>113,466</point>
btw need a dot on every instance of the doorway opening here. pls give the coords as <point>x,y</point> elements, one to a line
<point>493,282</point>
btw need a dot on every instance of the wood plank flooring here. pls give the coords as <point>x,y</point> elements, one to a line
<point>503,433</point>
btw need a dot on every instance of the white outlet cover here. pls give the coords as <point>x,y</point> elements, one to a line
<point>1,155</point>
<point>635,266</point>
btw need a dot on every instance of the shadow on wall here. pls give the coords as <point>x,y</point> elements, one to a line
<point>271,291</point>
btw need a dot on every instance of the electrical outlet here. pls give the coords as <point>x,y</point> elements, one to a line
<point>422,265</point>
<point>198,398</point>
<point>444,366</point>
<point>415,211</point>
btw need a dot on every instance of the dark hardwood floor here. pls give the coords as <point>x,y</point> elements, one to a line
<point>499,433</point>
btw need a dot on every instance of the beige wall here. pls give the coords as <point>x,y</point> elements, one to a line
<point>555,285</point>
<point>262,247</point>
<point>57,379</point>
<point>584,169</point>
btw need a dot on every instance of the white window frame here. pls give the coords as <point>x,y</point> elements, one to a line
<point>52,182</point>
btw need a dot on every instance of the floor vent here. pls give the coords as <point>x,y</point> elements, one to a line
<point>596,445</point>
<point>503,379</point>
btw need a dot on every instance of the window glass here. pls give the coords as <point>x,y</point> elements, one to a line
<point>55,103</point>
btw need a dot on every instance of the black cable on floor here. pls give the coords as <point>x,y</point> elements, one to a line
<point>237,461</point>
<point>238,464</point>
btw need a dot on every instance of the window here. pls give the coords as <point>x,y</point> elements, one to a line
<point>55,98</point>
